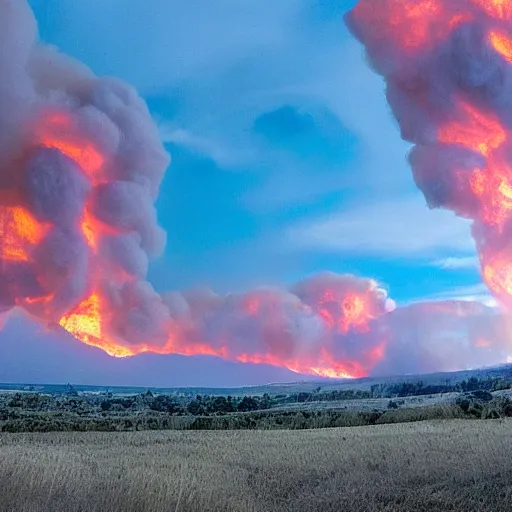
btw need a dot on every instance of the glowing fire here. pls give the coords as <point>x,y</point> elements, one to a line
<point>89,225</point>
<point>58,131</point>
<point>502,44</point>
<point>500,9</point>
<point>19,231</point>
<point>84,323</point>
<point>344,313</point>
<point>413,25</point>
<point>330,368</point>
<point>475,130</point>
<point>348,369</point>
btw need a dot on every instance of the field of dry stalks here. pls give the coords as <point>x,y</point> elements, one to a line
<point>425,466</point>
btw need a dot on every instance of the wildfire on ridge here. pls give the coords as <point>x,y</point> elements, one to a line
<point>82,164</point>
<point>77,233</point>
<point>340,312</point>
<point>349,369</point>
<point>84,322</point>
<point>330,367</point>
<point>20,233</point>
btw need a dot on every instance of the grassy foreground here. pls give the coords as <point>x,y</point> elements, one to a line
<point>427,466</point>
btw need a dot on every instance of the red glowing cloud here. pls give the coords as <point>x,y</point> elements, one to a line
<point>448,68</point>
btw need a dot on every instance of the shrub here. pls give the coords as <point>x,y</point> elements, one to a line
<point>106,405</point>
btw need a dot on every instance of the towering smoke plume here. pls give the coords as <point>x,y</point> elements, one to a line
<point>80,167</point>
<point>81,164</point>
<point>448,70</point>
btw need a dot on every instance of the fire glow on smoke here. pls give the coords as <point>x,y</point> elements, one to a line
<point>81,164</point>
<point>89,318</point>
<point>447,65</point>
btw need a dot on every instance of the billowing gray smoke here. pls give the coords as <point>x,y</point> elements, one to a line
<point>444,336</point>
<point>81,164</point>
<point>448,71</point>
<point>325,324</point>
<point>339,326</point>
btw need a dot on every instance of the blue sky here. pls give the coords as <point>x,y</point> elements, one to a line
<point>286,159</point>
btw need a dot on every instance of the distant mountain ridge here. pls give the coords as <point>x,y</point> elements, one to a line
<point>33,355</point>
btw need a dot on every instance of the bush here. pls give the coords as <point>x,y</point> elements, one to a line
<point>105,405</point>
<point>464,405</point>
<point>479,394</point>
<point>496,407</point>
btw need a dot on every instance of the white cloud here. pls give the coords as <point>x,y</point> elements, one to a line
<point>457,263</point>
<point>223,155</point>
<point>472,293</point>
<point>403,227</point>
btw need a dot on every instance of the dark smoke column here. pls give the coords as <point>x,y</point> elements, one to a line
<point>448,71</point>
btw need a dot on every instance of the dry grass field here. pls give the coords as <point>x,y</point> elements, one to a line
<point>426,466</point>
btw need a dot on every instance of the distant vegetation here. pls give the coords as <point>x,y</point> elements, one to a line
<point>402,389</point>
<point>70,410</point>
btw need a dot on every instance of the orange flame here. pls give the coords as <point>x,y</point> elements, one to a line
<point>59,131</point>
<point>88,229</point>
<point>19,231</point>
<point>344,313</point>
<point>477,131</point>
<point>330,367</point>
<point>413,25</point>
<point>85,324</point>
<point>499,9</point>
<point>484,133</point>
<point>502,44</point>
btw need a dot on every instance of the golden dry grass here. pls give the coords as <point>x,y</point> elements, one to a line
<point>427,466</point>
